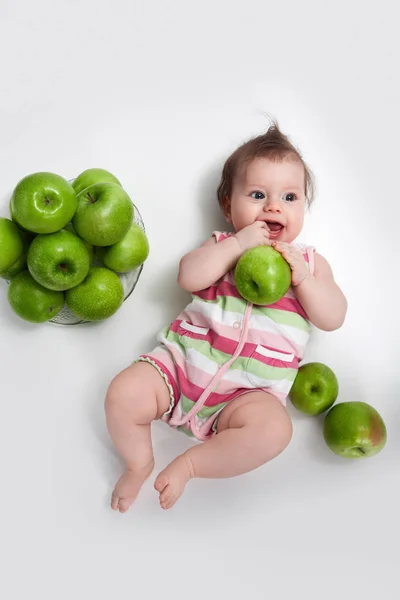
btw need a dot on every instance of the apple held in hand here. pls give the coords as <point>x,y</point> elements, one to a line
<point>98,297</point>
<point>43,202</point>
<point>103,215</point>
<point>315,388</point>
<point>128,253</point>
<point>31,301</point>
<point>11,243</point>
<point>262,275</point>
<point>92,176</point>
<point>354,430</point>
<point>58,261</point>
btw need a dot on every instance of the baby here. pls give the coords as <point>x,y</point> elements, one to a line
<point>223,369</point>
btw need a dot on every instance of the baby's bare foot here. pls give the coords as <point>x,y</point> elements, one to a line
<point>171,482</point>
<point>128,487</point>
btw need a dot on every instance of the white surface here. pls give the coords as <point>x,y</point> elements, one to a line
<point>160,93</point>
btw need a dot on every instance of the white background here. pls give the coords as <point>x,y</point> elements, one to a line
<point>160,93</point>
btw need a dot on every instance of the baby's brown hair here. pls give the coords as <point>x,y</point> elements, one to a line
<point>272,144</point>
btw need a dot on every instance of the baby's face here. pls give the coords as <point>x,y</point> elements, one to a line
<point>272,192</point>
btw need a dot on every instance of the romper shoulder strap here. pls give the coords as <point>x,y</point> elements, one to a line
<point>221,235</point>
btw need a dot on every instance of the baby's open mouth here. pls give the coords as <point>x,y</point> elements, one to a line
<point>274,227</point>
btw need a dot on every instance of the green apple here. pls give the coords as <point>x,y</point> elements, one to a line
<point>31,301</point>
<point>17,267</point>
<point>43,202</point>
<point>315,388</point>
<point>11,243</point>
<point>89,247</point>
<point>58,261</point>
<point>262,275</point>
<point>128,253</point>
<point>103,215</point>
<point>354,430</point>
<point>20,264</point>
<point>98,297</point>
<point>92,176</point>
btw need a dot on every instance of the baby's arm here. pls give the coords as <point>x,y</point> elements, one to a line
<point>202,267</point>
<point>321,297</point>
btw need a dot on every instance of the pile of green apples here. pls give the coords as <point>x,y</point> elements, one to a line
<point>66,243</point>
<point>350,429</point>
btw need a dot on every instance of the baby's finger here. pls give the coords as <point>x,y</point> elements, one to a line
<point>284,251</point>
<point>262,225</point>
<point>279,246</point>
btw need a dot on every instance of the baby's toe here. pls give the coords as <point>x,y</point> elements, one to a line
<point>167,497</point>
<point>114,502</point>
<point>161,483</point>
<point>124,504</point>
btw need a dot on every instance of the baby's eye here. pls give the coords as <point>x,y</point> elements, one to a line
<point>257,195</point>
<point>290,197</point>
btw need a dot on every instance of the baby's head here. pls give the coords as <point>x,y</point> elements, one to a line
<point>266,179</point>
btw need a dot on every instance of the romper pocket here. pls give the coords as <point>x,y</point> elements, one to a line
<point>267,364</point>
<point>194,328</point>
<point>193,339</point>
<point>277,354</point>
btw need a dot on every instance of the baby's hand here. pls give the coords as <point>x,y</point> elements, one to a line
<point>256,234</point>
<point>295,259</point>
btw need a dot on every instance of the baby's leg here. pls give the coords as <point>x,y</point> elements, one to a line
<point>252,430</point>
<point>135,397</point>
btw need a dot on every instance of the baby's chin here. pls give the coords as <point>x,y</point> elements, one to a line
<point>285,236</point>
<point>288,239</point>
<point>281,236</point>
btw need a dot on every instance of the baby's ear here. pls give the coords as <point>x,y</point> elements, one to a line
<point>226,207</point>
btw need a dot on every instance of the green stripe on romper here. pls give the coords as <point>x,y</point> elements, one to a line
<point>242,363</point>
<point>202,346</point>
<point>255,367</point>
<point>205,412</point>
<point>284,317</point>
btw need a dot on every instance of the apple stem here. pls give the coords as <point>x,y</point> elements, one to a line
<point>91,199</point>
<point>361,450</point>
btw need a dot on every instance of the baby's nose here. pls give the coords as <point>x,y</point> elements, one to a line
<point>272,204</point>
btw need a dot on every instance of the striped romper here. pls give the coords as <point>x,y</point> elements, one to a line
<point>222,346</point>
